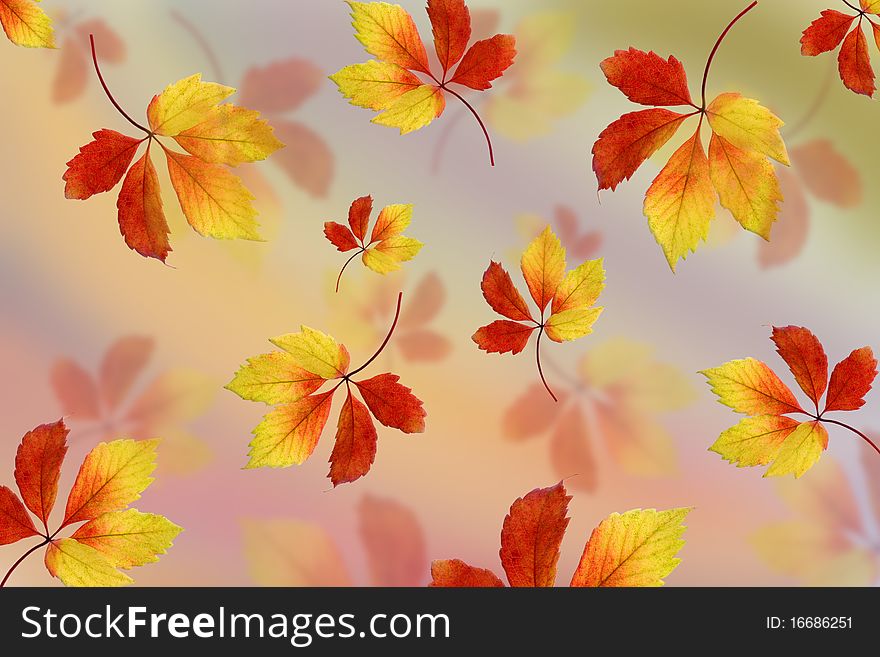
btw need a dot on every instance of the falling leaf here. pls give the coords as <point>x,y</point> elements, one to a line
<point>831,30</point>
<point>570,296</point>
<point>391,84</point>
<point>26,24</point>
<point>110,535</point>
<point>637,548</point>
<point>680,203</point>
<point>768,436</point>
<point>214,201</point>
<point>290,380</point>
<point>387,246</point>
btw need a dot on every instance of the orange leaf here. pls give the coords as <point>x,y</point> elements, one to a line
<point>805,357</point>
<point>141,217</point>
<point>38,467</point>
<point>503,336</point>
<point>851,380</point>
<point>485,61</point>
<point>825,33</point>
<point>532,534</point>
<point>854,63</point>
<point>15,523</point>
<point>456,573</point>
<point>389,32</point>
<point>100,164</point>
<point>451,26</point>
<point>502,296</point>
<point>340,236</point>
<point>394,542</point>
<point>355,446</point>
<point>392,403</point>
<point>359,216</point>
<point>646,78</point>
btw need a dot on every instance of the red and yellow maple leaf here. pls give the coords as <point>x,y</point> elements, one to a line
<point>570,297</point>
<point>103,405</point>
<point>616,398</point>
<point>213,200</point>
<point>768,436</point>
<point>282,552</point>
<point>680,203</point>
<point>387,246</point>
<point>110,535</point>
<point>72,74</point>
<point>290,380</point>
<point>26,24</point>
<point>636,548</point>
<point>828,542</point>
<point>391,84</point>
<point>832,30</point>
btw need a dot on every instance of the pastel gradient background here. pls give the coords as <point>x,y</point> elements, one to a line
<point>71,286</point>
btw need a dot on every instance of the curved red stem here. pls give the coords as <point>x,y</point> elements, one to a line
<point>479,120</point>
<point>718,44</point>
<point>538,359</point>
<point>855,431</point>
<point>339,278</point>
<point>384,342</point>
<point>20,559</point>
<point>107,90</point>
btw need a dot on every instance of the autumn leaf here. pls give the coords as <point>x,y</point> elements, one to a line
<point>680,203</point>
<point>614,401</point>
<point>214,201</point>
<point>290,380</point>
<point>832,30</point>
<point>111,402</point>
<point>826,542</point>
<point>391,84</point>
<point>110,535</point>
<point>768,435</point>
<point>387,246</point>
<point>637,548</point>
<point>570,297</point>
<point>26,24</point>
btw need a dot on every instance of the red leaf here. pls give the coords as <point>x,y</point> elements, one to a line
<point>646,78</point>
<point>100,164</point>
<point>501,294</point>
<point>825,33</point>
<point>854,63</point>
<point>122,364</point>
<point>805,357</point>
<point>485,61</point>
<point>141,217</point>
<point>392,403</point>
<point>75,389</point>
<point>503,336</point>
<point>451,26</point>
<point>531,536</point>
<point>359,216</point>
<point>851,380</point>
<point>456,573</point>
<point>38,467</point>
<point>280,86</point>
<point>630,140</point>
<point>340,236</point>
<point>355,446</point>
<point>394,541</point>
<point>306,158</point>
<point>15,523</point>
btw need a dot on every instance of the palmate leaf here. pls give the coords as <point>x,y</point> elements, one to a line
<point>637,548</point>
<point>110,535</point>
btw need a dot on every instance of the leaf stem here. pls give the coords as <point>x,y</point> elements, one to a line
<point>339,278</point>
<point>718,44</point>
<point>384,342</point>
<point>107,90</point>
<point>479,120</point>
<point>203,44</point>
<point>855,431</point>
<point>858,9</point>
<point>538,360</point>
<point>22,558</point>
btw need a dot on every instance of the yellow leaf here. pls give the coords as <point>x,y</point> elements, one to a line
<point>389,32</point>
<point>185,104</point>
<point>128,538</point>
<point>315,352</point>
<point>214,201</point>
<point>746,185</point>
<point>274,378</point>
<point>387,255</point>
<point>800,451</point>
<point>288,435</point>
<point>230,135</point>
<point>392,220</point>
<point>374,85</point>
<point>543,267</point>
<point>26,24</point>
<point>748,125</point>
<point>112,476</point>
<point>755,440</point>
<point>637,548</point>
<point>581,287</point>
<point>292,553</point>
<point>680,203</point>
<point>413,110</point>
<point>751,387</point>
<point>77,564</point>
<point>571,324</point>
